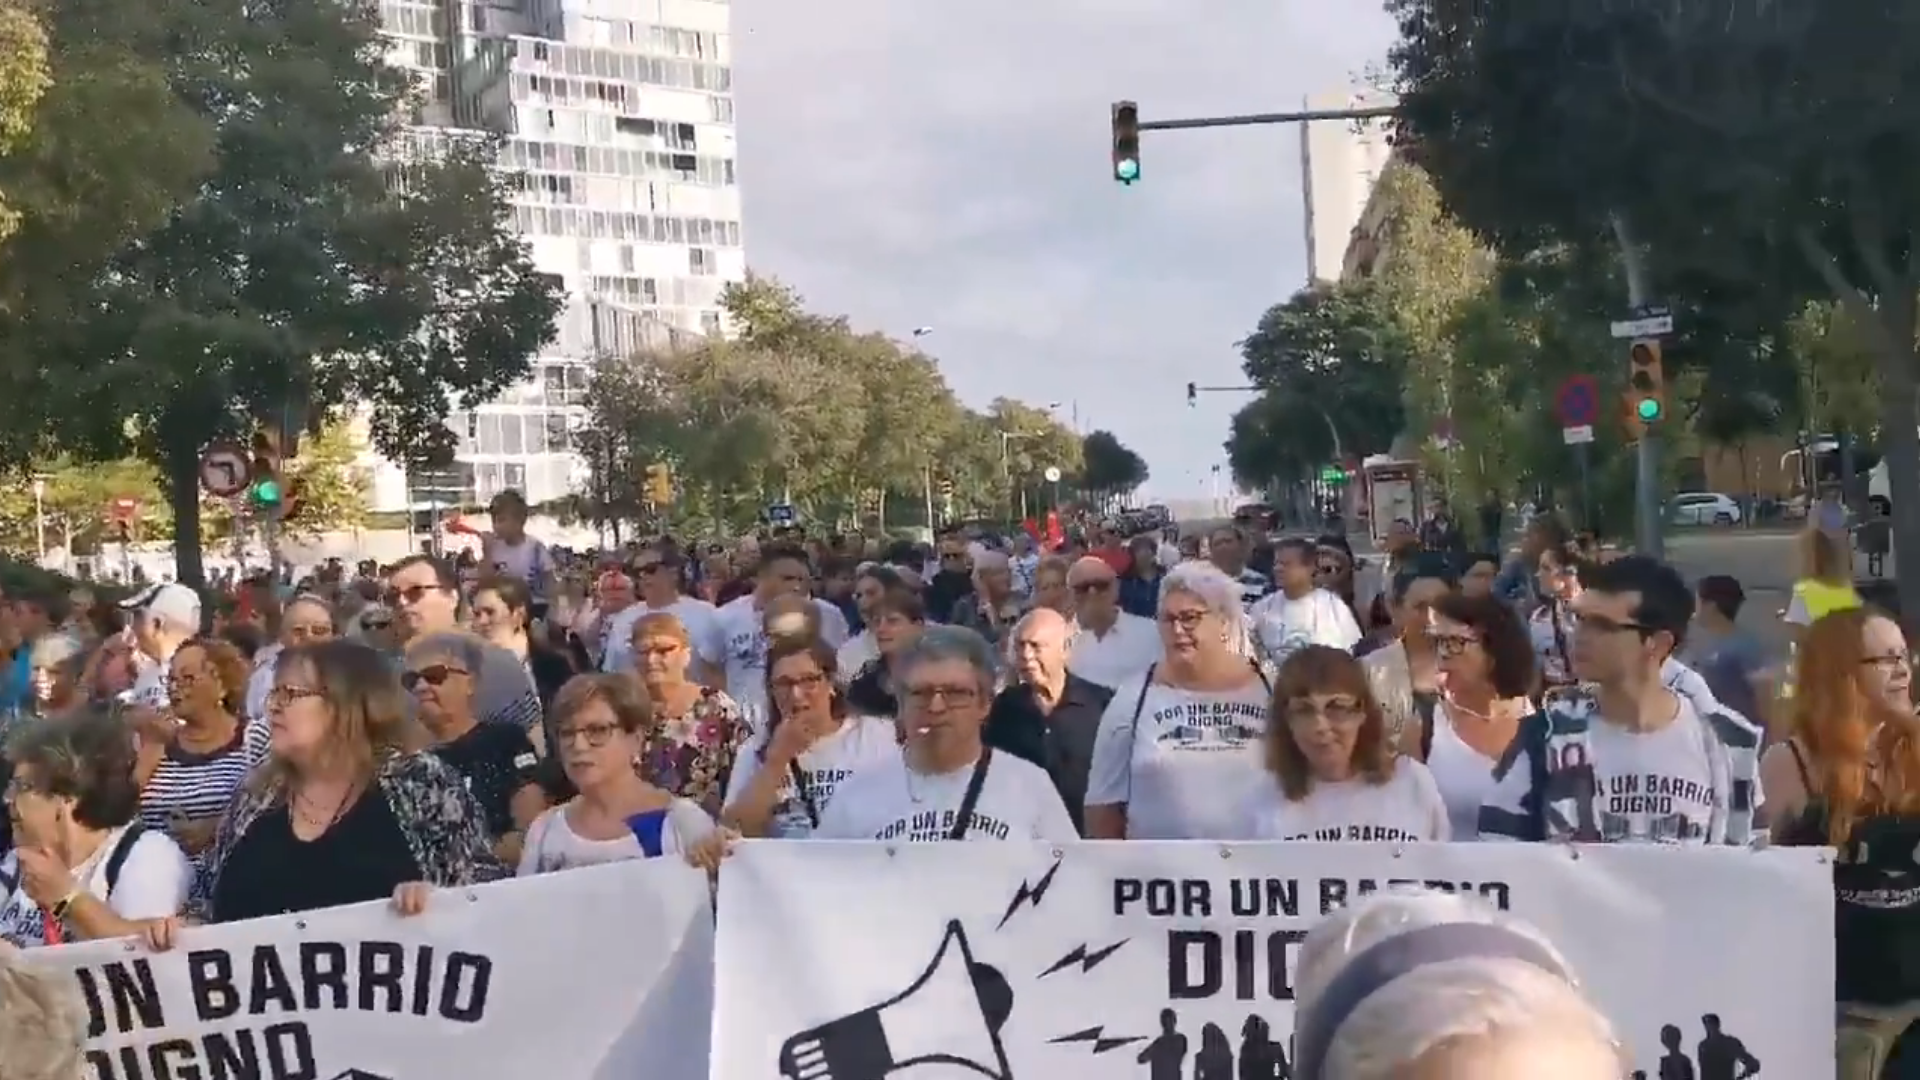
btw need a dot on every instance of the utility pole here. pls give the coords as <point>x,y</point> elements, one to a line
<point>1649,537</point>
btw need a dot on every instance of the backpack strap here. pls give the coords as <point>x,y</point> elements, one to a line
<point>964,819</point>
<point>1428,710</point>
<point>1133,728</point>
<point>117,860</point>
<point>649,828</point>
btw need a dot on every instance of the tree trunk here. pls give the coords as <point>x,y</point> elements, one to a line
<point>1899,415</point>
<point>180,464</point>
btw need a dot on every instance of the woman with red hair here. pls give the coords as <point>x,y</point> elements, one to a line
<point>1847,775</point>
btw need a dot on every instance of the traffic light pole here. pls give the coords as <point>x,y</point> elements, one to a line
<point>1649,537</point>
<point>1260,119</point>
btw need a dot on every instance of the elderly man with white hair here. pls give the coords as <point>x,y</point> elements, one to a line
<point>1049,715</point>
<point>1442,986</point>
<point>1109,646</point>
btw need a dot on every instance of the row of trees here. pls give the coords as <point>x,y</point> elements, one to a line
<point>210,215</point>
<point>71,509</point>
<point>1762,162</point>
<point>798,407</point>
<point>1776,225</point>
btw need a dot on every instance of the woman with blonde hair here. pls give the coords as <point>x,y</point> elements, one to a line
<point>339,813</point>
<point>1826,580</point>
<point>1847,776</point>
<point>694,739</point>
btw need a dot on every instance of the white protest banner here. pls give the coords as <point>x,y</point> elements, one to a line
<point>1152,960</point>
<point>595,973</point>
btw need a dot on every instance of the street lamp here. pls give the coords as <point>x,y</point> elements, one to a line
<point>922,331</point>
<point>40,515</point>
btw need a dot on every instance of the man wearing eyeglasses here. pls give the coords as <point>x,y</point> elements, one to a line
<point>657,574</point>
<point>1624,758</point>
<point>423,593</point>
<point>1109,646</point>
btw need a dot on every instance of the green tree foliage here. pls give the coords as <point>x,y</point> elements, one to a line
<point>315,261</point>
<point>1760,155</point>
<point>23,81</point>
<point>1111,468</point>
<point>799,407</point>
<point>1330,364</point>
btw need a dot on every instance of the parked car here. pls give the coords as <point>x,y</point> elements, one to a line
<point>1704,508</point>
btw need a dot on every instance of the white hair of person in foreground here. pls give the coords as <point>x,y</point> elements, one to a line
<point>43,1021</point>
<point>1417,985</point>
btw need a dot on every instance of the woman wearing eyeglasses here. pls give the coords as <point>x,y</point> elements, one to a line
<point>339,813</point>
<point>1486,676</point>
<point>945,784</point>
<point>601,724</point>
<point>189,772</point>
<point>490,757</point>
<point>1335,773</point>
<point>306,618</point>
<point>1178,749</point>
<point>694,739</point>
<point>787,774</point>
<point>1848,776</point>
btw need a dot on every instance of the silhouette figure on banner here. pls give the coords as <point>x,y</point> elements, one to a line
<point>1215,1059</point>
<point>1721,1056</point>
<point>1261,1058</point>
<point>1166,1056</point>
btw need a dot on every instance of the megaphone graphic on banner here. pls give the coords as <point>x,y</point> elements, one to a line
<point>951,1015</point>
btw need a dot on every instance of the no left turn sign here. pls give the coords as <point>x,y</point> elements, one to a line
<point>224,471</point>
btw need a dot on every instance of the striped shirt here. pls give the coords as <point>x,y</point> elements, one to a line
<point>197,786</point>
<point>1254,586</point>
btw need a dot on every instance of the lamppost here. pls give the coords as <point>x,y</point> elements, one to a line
<point>40,515</point>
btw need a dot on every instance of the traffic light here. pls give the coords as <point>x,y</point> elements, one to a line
<point>1126,141</point>
<point>946,489</point>
<point>1646,384</point>
<point>1193,394</point>
<point>659,483</point>
<point>265,492</point>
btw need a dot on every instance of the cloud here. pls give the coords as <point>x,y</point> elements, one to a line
<point>911,163</point>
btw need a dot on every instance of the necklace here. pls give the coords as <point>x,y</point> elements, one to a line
<point>321,821</point>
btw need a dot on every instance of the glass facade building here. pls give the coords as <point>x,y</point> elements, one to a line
<point>616,120</point>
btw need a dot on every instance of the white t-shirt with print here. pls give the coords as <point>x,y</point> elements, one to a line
<point>1656,786</point>
<point>743,650</point>
<point>527,560</point>
<point>1408,807</point>
<point>1283,626</point>
<point>861,741</point>
<point>153,883</point>
<point>551,844</point>
<point>149,687</point>
<point>701,619</point>
<point>1185,768</point>
<point>888,801</point>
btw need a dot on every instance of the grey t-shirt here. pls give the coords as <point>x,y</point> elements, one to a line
<point>1728,662</point>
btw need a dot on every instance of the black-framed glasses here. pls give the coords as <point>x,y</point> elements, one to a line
<point>1185,620</point>
<point>1453,644</point>
<point>432,675</point>
<point>788,684</point>
<point>955,696</point>
<point>282,696</point>
<point>595,735</point>
<point>1600,624</point>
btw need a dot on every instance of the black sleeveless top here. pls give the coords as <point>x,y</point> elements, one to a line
<point>1876,914</point>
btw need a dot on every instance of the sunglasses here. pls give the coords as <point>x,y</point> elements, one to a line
<point>432,675</point>
<point>409,595</point>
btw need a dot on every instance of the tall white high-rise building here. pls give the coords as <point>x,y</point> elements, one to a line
<point>617,123</point>
<point>1340,160</point>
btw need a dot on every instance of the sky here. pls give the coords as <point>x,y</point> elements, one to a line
<point>912,164</point>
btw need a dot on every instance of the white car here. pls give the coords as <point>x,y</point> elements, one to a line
<point>1704,508</point>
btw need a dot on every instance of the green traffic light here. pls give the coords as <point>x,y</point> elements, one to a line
<point>266,492</point>
<point>1126,170</point>
<point>1648,409</point>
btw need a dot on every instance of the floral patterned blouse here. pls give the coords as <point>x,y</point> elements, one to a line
<point>442,825</point>
<point>692,755</point>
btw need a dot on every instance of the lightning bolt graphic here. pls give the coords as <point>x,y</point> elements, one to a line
<point>1030,894</point>
<point>1087,960</point>
<point>1097,1035</point>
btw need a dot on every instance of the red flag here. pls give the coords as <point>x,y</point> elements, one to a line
<point>1033,529</point>
<point>459,525</point>
<point>1056,536</point>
